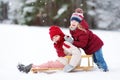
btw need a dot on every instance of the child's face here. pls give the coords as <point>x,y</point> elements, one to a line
<point>73,24</point>
<point>56,38</point>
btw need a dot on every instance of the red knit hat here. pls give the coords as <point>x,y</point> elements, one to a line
<point>55,30</point>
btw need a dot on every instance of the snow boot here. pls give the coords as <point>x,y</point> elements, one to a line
<point>21,67</point>
<point>24,68</point>
<point>105,70</point>
<point>68,68</point>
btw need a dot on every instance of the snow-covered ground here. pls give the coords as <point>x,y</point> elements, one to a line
<point>22,44</point>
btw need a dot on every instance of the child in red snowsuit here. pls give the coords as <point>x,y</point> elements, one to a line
<point>86,39</point>
<point>63,48</point>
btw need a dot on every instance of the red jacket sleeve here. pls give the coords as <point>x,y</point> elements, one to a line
<point>81,39</point>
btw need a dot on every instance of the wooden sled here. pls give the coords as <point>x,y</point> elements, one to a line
<point>87,67</point>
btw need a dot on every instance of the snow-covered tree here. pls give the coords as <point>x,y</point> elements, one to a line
<point>3,11</point>
<point>106,13</point>
<point>14,12</point>
<point>41,12</point>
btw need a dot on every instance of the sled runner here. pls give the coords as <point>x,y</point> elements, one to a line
<point>88,59</point>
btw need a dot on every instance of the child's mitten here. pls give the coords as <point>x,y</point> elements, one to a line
<point>69,39</point>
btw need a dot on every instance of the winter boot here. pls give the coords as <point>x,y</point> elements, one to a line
<point>68,68</point>
<point>105,70</point>
<point>21,67</point>
<point>24,68</point>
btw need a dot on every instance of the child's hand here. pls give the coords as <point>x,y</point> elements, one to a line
<point>68,38</point>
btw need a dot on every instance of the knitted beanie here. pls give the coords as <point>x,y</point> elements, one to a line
<point>77,15</point>
<point>55,30</point>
